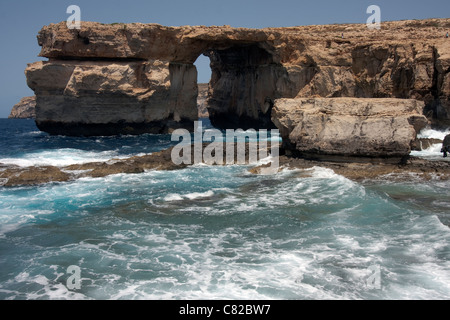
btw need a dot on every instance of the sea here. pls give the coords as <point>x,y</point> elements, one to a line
<point>215,232</point>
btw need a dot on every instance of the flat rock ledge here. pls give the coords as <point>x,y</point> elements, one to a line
<point>413,168</point>
<point>349,128</point>
<point>14,176</point>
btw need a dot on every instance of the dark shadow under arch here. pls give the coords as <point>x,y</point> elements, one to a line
<point>245,82</point>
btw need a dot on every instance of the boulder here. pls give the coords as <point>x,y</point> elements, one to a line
<point>446,145</point>
<point>339,128</point>
<point>17,176</point>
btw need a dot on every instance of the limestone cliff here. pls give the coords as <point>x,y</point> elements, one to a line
<point>25,109</point>
<point>349,127</point>
<point>79,97</point>
<point>133,78</point>
<point>202,102</point>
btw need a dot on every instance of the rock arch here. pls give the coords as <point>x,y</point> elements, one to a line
<point>136,78</point>
<point>244,84</point>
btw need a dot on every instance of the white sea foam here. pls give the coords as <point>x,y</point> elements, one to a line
<point>44,288</point>
<point>61,157</point>
<point>173,197</point>
<point>434,151</point>
<point>190,196</point>
<point>429,133</point>
<point>287,236</point>
<point>197,195</point>
<point>323,173</point>
<point>13,218</point>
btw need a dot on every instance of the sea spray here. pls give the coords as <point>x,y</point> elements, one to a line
<point>219,232</point>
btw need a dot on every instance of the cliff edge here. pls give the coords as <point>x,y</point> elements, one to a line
<point>25,109</point>
<point>136,78</point>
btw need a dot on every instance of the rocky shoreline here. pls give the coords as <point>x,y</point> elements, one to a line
<point>413,167</point>
<point>14,176</point>
<point>323,128</point>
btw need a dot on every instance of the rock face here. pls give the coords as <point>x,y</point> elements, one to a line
<point>202,102</point>
<point>25,109</point>
<point>446,145</point>
<point>424,143</point>
<point>107,98</point>
<point>133,78</point>
<point>349,127</point>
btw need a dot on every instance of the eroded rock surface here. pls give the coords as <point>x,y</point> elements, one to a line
<point>25,109</point>
<point>349,127</point>
<point>202,102</point>
<point>113,97</point>
<point>13,176</point>
<point>133,78</point>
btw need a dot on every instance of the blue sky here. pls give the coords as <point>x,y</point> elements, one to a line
<point>21,20</point>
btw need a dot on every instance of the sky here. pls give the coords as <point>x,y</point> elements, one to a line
<point>20,22</point>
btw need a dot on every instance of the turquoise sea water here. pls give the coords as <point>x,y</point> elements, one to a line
<point>209,232</point>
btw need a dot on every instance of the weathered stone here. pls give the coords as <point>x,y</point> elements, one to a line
<point>424,143</point>
<point>202,103</point>
<point>349,127</point>
<point>132,78</point>
<point>16,176</point>
<point>25,109</point>
<point>446,142</point>
<point>414,167</point>
<point>446,145</point>
<point>442,82</point>
<point>102,97</point>
<point>12,176</point>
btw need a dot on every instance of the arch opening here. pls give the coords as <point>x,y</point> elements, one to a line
<point>244,83</point>
<point>203,79</point>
